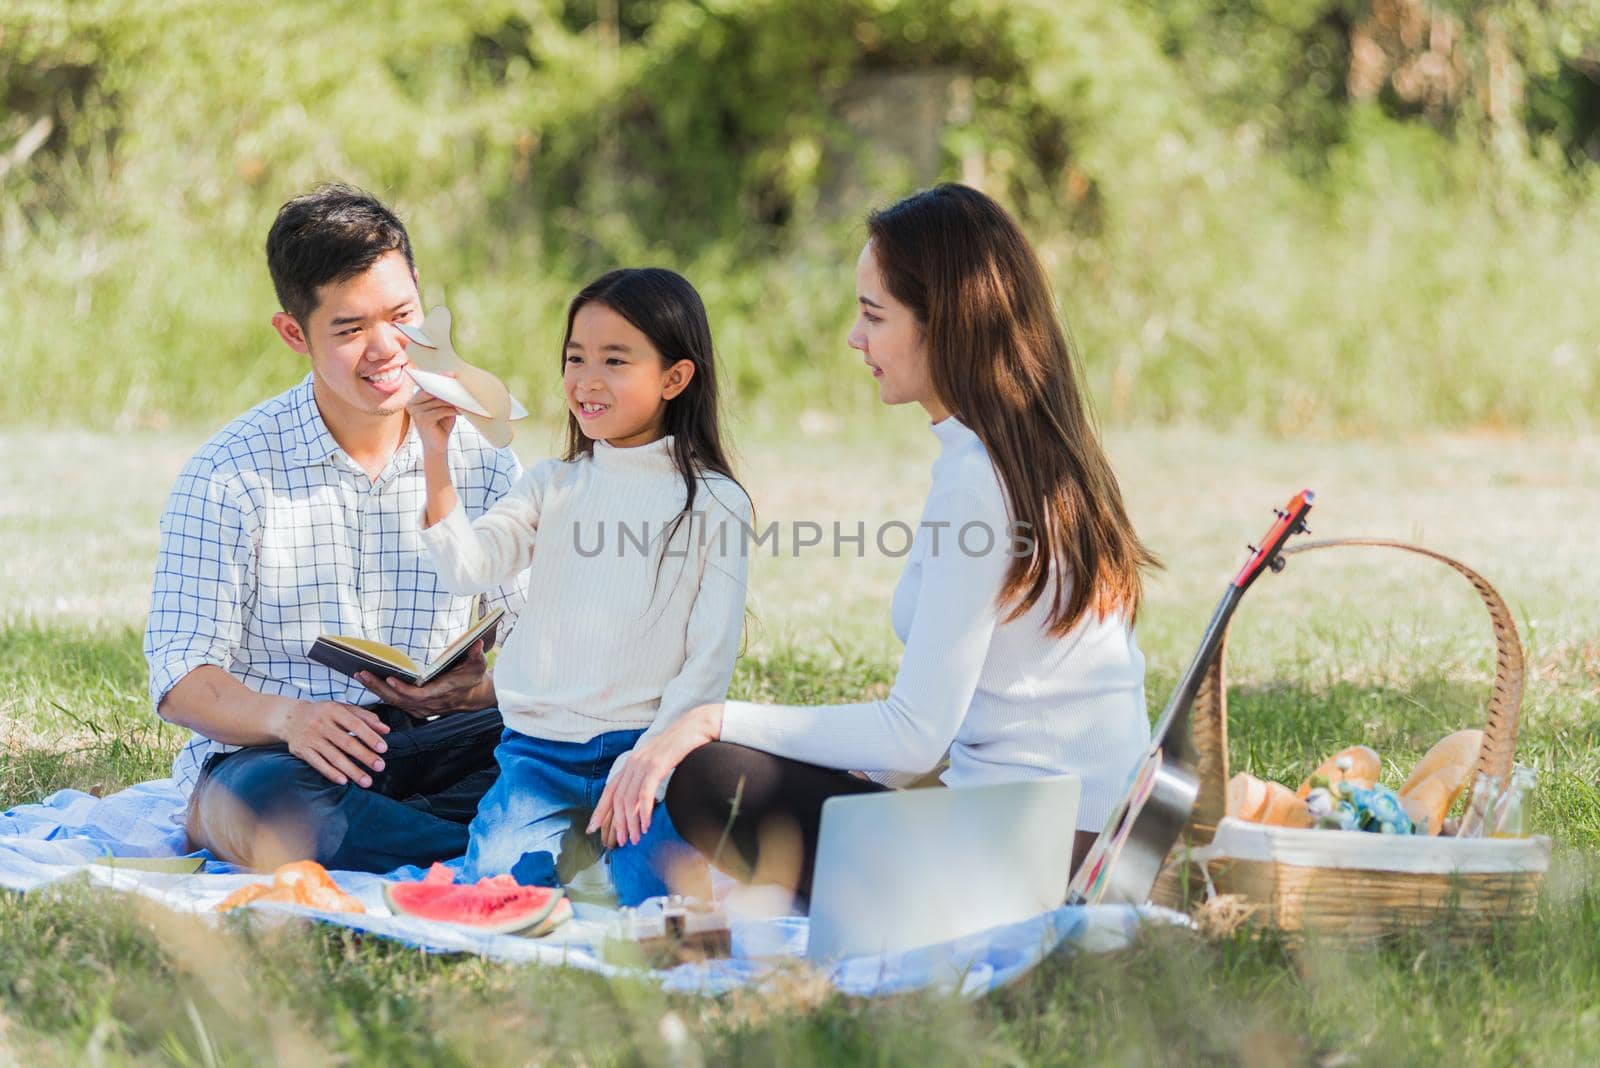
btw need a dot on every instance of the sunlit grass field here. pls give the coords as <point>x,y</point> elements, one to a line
<point>1341,648</point>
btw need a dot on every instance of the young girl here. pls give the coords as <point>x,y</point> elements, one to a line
<point>633,544</point>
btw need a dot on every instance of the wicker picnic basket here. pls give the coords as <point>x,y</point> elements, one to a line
<point>1356,883</point>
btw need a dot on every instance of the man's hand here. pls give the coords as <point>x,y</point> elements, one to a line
<point>466,687</point>
<point>341,741</point>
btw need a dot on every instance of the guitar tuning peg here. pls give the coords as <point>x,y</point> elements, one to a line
<point>1277,563</point>
<point>1253,549</point>
<point>1280,513</point>
<point>1301,528</point>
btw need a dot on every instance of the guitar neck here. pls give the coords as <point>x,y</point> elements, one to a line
<point>1171,734</point>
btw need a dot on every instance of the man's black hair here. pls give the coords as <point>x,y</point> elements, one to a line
<point>330,234</point>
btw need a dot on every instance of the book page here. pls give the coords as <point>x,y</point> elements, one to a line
<point>387,653</point>
<point>473,633</point>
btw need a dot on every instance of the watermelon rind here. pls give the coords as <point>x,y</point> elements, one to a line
<point>429,901</point>
<point>558,916</point>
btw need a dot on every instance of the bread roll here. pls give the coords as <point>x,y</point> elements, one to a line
<point>1285,808</point>
<point>1364,769</point>
<point>1458,750</point>
<point>1246,797</point>
<point>1255,801</point>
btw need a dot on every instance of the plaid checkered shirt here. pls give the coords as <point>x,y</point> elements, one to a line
<point>273,535</point>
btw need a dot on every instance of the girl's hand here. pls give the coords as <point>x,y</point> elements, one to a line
<point>433,418</point>
<point>629,799</point>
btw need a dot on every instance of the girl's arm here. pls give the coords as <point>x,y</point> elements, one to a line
<point>471,557</point>
<point>711,641</point>
<point>478,555</point>
<point>716,620</point>
<point>434,419</point>
<point>442,499</point>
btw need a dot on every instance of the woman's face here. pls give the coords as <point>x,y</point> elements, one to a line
<point>890,340</point>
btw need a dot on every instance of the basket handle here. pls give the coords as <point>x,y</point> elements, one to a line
<point>1210,718</point>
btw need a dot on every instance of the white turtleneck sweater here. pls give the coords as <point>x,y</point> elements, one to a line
<point>1006,700</point>
<point>607,642</point>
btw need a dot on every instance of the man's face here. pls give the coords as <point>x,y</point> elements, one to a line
<point>358,356</point>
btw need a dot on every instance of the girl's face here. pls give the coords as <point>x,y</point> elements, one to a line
<point>890,340</point>
<point>617,383</point>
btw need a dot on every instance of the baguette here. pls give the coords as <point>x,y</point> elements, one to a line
<point>1430,800</point>
<point>1458,750</point>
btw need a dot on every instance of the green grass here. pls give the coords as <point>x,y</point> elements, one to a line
<point>1334,651</point>
<point>90,688</point>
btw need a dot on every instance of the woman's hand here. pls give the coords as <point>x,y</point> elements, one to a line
<point>433,418</point>
<point>623,814</point>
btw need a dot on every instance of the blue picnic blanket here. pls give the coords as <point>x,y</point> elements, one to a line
<point>60,837</point>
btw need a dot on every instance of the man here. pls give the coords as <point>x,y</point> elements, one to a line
<point>301,518</point>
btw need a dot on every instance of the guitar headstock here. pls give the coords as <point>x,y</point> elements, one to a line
<point>1291,521</point>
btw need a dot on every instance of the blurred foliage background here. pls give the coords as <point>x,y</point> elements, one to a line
<point>1326,216</point>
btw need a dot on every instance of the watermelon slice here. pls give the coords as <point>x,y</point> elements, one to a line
<point>558,916</point>
<point>496,905</point>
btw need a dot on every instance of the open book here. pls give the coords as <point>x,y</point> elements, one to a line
<point>350,655</point>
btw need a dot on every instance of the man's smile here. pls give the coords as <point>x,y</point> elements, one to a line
<point>388,380</point>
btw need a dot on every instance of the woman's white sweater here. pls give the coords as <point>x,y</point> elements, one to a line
<point>1006,700</point>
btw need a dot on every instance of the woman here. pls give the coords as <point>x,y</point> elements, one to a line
<point>1017,603</point>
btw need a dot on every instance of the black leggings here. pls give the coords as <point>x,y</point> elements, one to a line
<point>755,815</point>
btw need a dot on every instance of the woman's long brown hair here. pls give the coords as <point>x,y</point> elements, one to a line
<point>1001,360</point>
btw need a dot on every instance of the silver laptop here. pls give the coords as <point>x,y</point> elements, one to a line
<point>910,868</point>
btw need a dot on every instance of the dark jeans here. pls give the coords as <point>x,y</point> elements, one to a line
<point>262,806</point>
<point>755,815</point>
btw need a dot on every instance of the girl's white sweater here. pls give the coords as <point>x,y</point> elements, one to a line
<point>616,634</point>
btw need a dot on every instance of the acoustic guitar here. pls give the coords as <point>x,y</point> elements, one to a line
<point>1122,866</point>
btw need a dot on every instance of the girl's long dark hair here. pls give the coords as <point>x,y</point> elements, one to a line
<point>665,308</point>
<point>1002,362</point>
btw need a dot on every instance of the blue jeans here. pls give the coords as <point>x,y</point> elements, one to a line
<point>532,823</point>
<point>262,806</point>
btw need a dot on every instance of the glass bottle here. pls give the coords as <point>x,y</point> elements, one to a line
<point>1511,811</point>
<point>1480,807</point>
